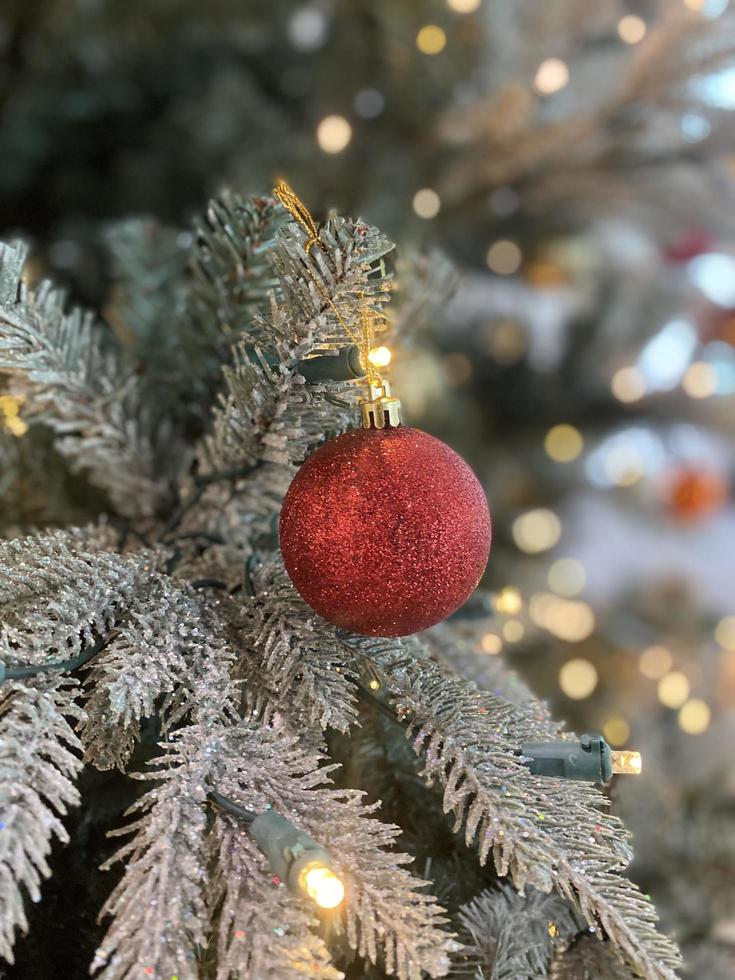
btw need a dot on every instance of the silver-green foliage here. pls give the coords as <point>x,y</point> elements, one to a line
<point>196,626</point>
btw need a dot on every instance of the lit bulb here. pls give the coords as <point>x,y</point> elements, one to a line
<point>322,885</point>
<point>380,357</point>
<point>627,763</point>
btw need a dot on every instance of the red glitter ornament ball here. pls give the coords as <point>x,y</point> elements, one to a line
<point>385,531</point>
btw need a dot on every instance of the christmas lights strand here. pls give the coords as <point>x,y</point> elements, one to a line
<point>21,671</point>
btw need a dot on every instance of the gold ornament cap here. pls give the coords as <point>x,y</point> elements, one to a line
<point>380,408</point>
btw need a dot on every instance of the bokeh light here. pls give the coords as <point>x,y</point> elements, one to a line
<point>333,134</point>
<point>725,633</point>
<point>700,380</point>
<point>504,257</point>
<point>694,717</point>
<point>426,203</point>
<point>509,601</point>
<point>628,384</point>
<point>631,29</point>
<point>551,76</point>
<point>431,39</point>
<point>654,662</point>
<point>578,679</point>
<point>513,630</point>
<point>616,730</point>
<point>563,443</point>
<point>536,530</point>
<point>491,643</point>
<point>567,577</point>
<point>464,6</point>
<point>673,689</point>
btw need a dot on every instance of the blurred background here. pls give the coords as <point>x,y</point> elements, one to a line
<point>560,179</point>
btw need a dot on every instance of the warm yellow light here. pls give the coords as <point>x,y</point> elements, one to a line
<point>578,679</point>
<point>700,380</point>
<point>567,577</point>
<point>509,601</point>
<point>9,415</point>
<point>431,39</point>
<point>694,717</point>
<point>464,6</point>
<point>503,257</point>
<point>551,76</point>
<point>627,763</point>
<point>631,29</point>
<point>374,685</point>
<point>536,530</point>
<point>616,730</point>
<point>655,662</point>
<point>725,633</point>
<point>570,620</point>
<point>628,384</point>
<point>323,886</point>
<point>673,689</point>
<point>513,631</point>
<point>563,443</point>
<point>380,357</point>
<point>333,134</point>
<point>491,643</point>
<point>694,4</point>
<point>426,203</point>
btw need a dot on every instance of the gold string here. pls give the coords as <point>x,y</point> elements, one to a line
<point>301,214</point>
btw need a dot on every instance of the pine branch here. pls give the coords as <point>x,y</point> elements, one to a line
<point>300,655</point>
<point>56,596</point>
<point>585,958</point>
<point>545,834</point>
<point>38,765</point>
<point>169,644</point>
<point>85,395</point>
<point>159,916</point>
<point>512,937</point>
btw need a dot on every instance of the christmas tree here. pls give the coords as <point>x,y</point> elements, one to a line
<point>575,162</point>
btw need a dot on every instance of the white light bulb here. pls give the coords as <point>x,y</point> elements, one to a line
<point>323,886</point>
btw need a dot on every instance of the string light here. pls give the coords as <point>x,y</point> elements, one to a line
<point>628,384</point>
<point>673,689</point>
<point>568,619</point>
<point>551,76</point>
<point>380,357</point>
<point>567,577</point>
<point>426,203</point>
<point>509,601</point>
<point>627,763</point>
<point>464,6</point>
<point>503,257</point>
<point>333,134</point>
<point>700,380</point>
<point>578,679</point>
<point>631,29</point>
<point>694,717</point>
<point>655,662</point>
<point>536,530</point>
<point>616,730</point>
<point>725,633</point>
<point>431,39</point>
<point>491,643</point>
<point>322,885</point>
<point>563,443</point>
